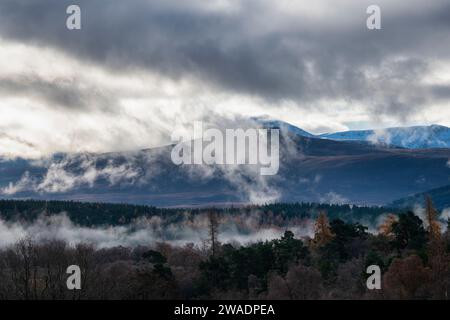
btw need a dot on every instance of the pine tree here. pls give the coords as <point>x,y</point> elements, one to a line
<point>213,225</point>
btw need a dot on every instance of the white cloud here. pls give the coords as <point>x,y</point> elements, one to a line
<point>146,231</point>
<point>60,178</point>
<point>333,198</point>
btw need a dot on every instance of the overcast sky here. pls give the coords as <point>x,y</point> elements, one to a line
<point>139,68</point>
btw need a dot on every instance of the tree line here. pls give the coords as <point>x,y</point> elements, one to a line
<point>95,214</point>
<point>413,254</point>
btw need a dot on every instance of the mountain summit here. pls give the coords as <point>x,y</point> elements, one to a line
<point>415,137</point>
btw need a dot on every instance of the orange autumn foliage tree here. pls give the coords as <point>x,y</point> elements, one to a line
<point>438,258</point>
<point>322,231</point>
<point>434,229</point>
<point>406,278</point>
<point>386,227</point>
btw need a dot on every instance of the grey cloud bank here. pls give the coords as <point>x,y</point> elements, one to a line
<point>317,63</point>
<point>295,58</point>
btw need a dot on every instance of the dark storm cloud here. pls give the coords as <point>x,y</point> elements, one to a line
<point>66,93</point>
<point>253,49</point>
<point>442,92</point>
<point>17,140</point>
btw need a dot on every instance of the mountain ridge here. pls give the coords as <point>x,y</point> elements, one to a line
<point>311,169</point>
<point>440,196</point>
<point>410,137</point>
<point>413,137</point>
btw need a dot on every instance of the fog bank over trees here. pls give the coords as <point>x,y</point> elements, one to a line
<point>412,253</point>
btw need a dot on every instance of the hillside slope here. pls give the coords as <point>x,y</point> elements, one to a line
<point>318,170</point>
<point>416,137</point>
<point>440,196</point>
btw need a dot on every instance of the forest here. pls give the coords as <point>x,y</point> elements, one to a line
<point>95,214</point>
<point>413,253</point>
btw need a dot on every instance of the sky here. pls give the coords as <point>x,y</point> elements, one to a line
<point>140,69</point>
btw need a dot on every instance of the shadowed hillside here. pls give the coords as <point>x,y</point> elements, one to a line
<point>316,170</point>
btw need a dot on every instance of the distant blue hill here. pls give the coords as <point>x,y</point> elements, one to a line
<point>416,137</point>
<point>311,170</point>
<point>284,126</point>
<point>440,196</point>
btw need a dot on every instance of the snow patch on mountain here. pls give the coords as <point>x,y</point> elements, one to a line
<point>416,137</point>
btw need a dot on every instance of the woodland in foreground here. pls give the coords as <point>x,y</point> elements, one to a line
<point>414,257</point>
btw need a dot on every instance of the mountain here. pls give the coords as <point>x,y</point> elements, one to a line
<point>440,196</point>
<point>311,169</point>
<point>283,126</point>
<point>416,137</point>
